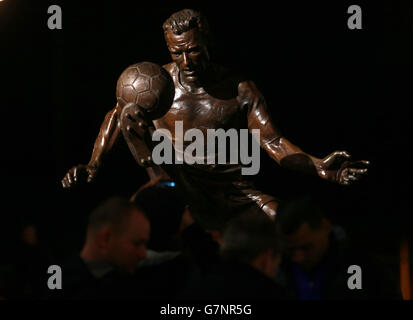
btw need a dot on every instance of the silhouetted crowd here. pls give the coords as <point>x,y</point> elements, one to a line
<point>150,248</point>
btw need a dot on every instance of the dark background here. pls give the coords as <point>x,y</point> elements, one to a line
<point>327,87</point>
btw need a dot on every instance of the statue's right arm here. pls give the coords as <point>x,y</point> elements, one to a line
<point>108,135</point>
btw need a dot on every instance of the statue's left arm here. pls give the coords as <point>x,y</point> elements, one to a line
<point>335,167</point>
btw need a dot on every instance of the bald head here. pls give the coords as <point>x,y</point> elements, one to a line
<point>113,212</point>
<point>118,233</point>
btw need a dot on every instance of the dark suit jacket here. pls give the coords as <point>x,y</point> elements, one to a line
<point>232,282</point>
<point>377,280</point>
<point>79,283</point>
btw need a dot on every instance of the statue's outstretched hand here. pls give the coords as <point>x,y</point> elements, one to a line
<point>79,174</point>
<point>337,167</point>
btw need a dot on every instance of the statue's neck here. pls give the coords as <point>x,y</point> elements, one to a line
<point>198,85</point>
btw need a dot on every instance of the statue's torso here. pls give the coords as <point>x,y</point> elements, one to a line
<point>214,191</point>
<point>214,108</point>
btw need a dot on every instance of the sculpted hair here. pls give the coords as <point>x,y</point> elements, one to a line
<point>185,20</point>
<point>248,236</point>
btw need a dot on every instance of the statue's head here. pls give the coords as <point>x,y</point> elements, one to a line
<point>187,36</point>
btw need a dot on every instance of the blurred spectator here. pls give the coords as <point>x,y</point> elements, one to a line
<point>250,260</point>
<point>318,255</point>
<point>164,208</point>
<point>173,230</point>
<point>178,248</point>
<point>24,276</point>
<point>117,235</point>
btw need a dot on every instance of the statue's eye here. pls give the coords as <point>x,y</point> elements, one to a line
<point>193,50</point>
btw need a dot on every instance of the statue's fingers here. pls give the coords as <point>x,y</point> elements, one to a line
<point>346,182</point>
<point>365,162</point>
<point>344,177</point>
<point>75,171</point>
<point>357,171</point>
<point>361,163</point>
<point>65,184</point>
<point>69,178</point>
<point>90,177</point>
<point>343,154</point>
<point>357,176</point>
<point>352,177</point>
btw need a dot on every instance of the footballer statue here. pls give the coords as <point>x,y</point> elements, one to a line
<point>199,94</point>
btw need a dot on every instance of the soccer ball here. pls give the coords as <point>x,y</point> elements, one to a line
<point>149,86</point>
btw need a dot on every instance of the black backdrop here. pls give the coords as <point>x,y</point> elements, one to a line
<point>327,87</point>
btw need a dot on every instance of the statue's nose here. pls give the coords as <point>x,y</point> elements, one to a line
<point>185,60</point>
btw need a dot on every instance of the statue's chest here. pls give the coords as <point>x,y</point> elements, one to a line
<point>202,112</point>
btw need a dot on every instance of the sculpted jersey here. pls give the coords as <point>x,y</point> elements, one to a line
<point>216,192</point>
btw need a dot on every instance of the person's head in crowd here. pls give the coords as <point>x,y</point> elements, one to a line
<point>251,238</point>
<point>117,233</point>
<point>165,208</point>
<point>304,231</point>
<point>29,235</point>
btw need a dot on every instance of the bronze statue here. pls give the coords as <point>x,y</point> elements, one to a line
<point>207,96</point>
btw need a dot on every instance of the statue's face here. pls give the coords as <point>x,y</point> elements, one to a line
<point>189,52</point>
